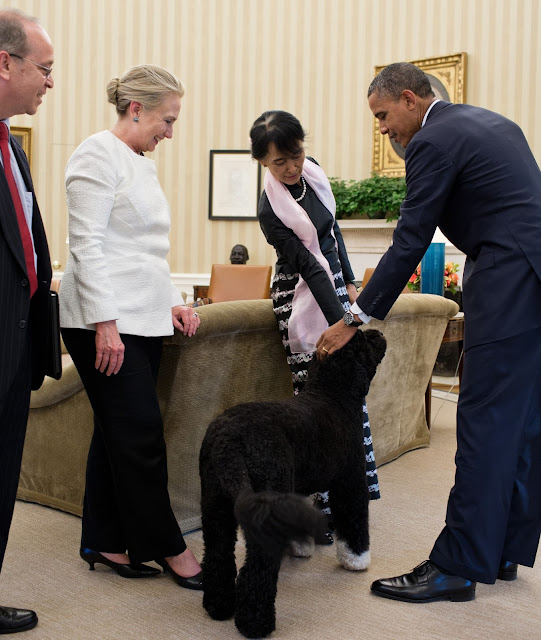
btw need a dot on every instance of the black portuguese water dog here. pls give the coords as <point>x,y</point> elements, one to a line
<point>259,460</point>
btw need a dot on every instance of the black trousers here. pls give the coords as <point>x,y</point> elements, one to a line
<point>126,504</point>
<point>494,509</point>
<point>14,406</point>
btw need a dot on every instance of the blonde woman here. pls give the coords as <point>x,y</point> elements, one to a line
<point>117,303</point>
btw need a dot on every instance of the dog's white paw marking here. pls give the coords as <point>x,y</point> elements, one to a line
<point>301,548</point>
<point>350,560</point>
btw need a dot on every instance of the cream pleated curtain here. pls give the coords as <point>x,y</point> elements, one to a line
<point>238,58</point>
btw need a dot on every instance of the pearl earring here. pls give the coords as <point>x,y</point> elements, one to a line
<point>136,119</point>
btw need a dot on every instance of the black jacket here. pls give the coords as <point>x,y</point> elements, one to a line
<point>21,319</point>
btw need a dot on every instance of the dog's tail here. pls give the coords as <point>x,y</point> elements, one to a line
<point>273,519</point>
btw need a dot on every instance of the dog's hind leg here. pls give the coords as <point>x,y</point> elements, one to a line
<point>301,548</point>
<point>255,614</point>
<point>349,497</point>
<point>219,537</point>
<point>304,547</point>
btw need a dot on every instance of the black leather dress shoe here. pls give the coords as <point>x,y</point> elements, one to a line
<point>507,570</point>
<point>132,570</point>
<point>426,583</point>
<point>193,582</point>
<point>15,620</point>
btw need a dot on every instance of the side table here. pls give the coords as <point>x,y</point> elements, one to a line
<point>200,291</point>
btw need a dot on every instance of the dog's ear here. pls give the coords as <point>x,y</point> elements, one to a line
<point>376,343</point>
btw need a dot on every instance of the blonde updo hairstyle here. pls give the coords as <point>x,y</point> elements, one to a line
<point>147,84</point>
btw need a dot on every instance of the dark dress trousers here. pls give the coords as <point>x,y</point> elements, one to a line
<point>22,337</point>
<point>126,504</point>
<point>471,172</point>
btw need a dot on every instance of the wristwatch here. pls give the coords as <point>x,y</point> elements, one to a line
<point>349,320</point>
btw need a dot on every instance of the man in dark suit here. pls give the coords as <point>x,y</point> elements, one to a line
<point>471,173</point>
<point>26,56</point>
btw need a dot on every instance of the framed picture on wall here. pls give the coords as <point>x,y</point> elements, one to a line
<point>24,138</point>
<point>234,185</point>
<point>447,76</point>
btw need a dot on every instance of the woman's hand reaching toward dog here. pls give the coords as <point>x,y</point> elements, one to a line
<point>353,294</point>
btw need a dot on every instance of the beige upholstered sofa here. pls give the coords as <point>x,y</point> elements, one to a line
<point>236,356</point>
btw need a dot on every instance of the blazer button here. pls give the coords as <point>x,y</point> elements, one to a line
<point>22,324</point>
<point>24,282</point>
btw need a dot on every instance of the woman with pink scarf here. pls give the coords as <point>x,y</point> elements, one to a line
<point>313,285</point>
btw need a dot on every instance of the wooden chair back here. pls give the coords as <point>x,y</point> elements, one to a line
<point>368,274</point>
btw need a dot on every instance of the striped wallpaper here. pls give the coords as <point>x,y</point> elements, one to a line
<point>238,58</point>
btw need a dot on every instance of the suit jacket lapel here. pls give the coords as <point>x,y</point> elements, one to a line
<point>8,217</point>
<point>38,230</point>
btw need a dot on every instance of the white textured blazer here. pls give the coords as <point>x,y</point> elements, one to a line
<point>119,222</point>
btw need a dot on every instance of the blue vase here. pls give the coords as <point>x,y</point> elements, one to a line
<point>432,269</point>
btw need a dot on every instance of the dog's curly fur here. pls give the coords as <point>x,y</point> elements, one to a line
<point>256,458</point>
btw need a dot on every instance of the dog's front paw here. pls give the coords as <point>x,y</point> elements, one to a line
<point>221,607</point>
<point>350,560</point>
<point>301,548</point>
<point>255,623</point>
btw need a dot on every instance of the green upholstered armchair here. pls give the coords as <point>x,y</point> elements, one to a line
<point>236,356</point>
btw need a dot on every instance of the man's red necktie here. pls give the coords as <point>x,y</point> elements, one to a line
<point>23,226</point>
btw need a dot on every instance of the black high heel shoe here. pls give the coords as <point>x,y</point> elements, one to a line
<point>132,570</point>
<point>193,582</point>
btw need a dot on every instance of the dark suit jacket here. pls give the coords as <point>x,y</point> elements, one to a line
<point>471,172</point>
<point>18,314</point>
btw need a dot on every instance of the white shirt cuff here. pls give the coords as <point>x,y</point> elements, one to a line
<point>357,311</point>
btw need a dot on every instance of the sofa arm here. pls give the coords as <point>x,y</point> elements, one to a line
<point>235,317</point>
<point>53,391</point>
<point>422,304</point>
<point>413,328</point>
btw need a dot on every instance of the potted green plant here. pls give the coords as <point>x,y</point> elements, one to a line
<point>374,197</point>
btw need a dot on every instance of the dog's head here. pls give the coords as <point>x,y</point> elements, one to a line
<point>368,348</point>
<point>352,366</point>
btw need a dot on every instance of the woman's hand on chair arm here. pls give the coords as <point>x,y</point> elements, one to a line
<point>185,319</point>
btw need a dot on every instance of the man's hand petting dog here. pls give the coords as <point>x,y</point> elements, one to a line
<point>334,338</point>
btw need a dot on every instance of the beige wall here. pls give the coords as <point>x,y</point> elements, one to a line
<point>237,58</point>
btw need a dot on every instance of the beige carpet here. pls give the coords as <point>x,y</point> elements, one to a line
<point>317,600</point>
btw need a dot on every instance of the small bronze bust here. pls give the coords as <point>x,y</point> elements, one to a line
<point>239,254</point>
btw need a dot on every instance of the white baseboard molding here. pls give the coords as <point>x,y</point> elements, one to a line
<point>445,395</point>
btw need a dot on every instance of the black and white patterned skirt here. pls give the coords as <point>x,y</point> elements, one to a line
<point>283,290</point>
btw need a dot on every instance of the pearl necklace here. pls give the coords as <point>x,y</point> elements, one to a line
<point>303,190</point>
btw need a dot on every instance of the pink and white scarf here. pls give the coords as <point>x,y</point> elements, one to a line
<point>307,321</point>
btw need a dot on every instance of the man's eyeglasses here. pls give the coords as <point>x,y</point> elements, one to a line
<point>46,70</point>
